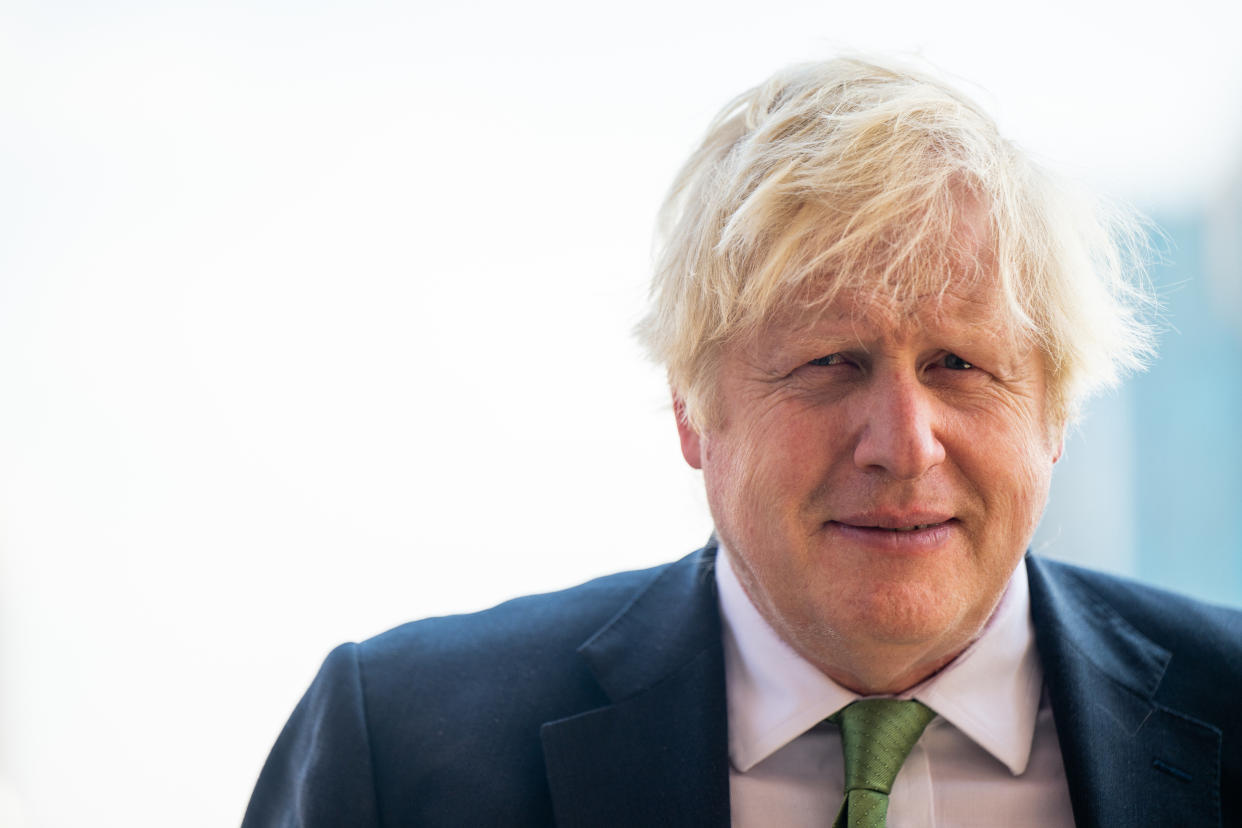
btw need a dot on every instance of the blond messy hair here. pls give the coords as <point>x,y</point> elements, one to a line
<point>849,175</point>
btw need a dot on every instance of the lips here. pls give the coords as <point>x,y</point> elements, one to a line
<point>896,532</point>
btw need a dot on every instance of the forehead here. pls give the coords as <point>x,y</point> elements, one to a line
<point>971,308</point>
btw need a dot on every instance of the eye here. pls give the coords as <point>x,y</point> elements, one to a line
<point>956,363</point>
<point>830,359</point>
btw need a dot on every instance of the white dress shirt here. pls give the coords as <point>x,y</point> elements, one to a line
<point>989,758</point>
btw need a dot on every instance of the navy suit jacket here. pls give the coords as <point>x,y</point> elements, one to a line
<point>604,705</point>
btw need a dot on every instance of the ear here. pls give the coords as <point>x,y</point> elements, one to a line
<point>1059,443</point>
<point>691,445</point>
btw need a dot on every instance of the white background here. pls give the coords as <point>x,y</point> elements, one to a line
<point>314,318</point>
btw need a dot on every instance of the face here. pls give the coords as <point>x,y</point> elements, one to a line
<point>877,477</point>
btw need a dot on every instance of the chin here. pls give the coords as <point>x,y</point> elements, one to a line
<point>908,615</point>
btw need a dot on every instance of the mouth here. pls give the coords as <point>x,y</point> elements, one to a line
<point>908,522</point>
<point>923,530</point>
<point>914,528</point>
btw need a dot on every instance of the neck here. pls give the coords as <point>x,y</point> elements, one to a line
<point>880,676</point>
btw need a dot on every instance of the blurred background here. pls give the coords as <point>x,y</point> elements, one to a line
<point>315,318</point>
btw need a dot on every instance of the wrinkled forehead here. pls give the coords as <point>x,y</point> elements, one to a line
<point>970,301</point>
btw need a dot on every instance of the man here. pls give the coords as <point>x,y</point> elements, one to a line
<point>877,319</point>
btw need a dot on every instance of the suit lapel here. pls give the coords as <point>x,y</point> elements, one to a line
<point>657,755</point>
<point>1129,760</point>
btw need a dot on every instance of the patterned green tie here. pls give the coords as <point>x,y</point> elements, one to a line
<point>876,737</point>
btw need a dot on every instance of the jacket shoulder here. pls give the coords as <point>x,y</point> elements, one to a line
<point>529,630</point>
<point>1149,605</point>
<point>454,705</point>
<point>1204,640</point>
<point>437,722</point>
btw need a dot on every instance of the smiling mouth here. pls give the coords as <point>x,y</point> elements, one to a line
<point>897,529</point>
<point>895,534</point>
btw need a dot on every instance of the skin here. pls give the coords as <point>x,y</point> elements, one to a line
<point>832,430</point>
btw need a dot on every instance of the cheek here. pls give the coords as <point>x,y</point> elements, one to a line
<point>1021,469</point>
<point>732,472</point>
<point>765,468</point>
<point>1005,451</point>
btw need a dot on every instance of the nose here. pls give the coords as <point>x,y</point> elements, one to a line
<point>899,429</point>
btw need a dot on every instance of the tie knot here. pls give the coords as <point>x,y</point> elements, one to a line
<point>876,737</point>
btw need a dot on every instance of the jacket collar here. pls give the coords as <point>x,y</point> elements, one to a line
<point>657,755</point>
<point>1129,760</point>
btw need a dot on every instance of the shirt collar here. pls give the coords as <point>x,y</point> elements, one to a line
<point>990,692</point>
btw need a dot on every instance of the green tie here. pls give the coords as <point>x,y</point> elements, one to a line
<point>876,737</point>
